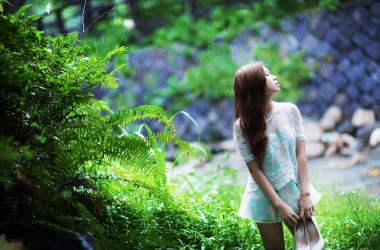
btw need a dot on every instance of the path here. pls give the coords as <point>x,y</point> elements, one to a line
<point>339,173</point>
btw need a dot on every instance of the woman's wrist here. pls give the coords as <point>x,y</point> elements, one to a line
<point>279,203</point>
<point>305,193</point>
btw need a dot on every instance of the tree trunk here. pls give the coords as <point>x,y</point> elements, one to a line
<point>191,7</point>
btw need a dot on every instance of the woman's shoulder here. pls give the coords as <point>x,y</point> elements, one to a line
<point>286,106</point>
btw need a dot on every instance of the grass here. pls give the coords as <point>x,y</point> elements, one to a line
<point>346,220</point>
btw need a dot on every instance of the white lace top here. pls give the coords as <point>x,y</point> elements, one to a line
<point>284,128</point>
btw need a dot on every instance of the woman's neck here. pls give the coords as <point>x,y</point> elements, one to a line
<point>268,107</point>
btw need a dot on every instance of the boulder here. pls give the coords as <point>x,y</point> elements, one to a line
<point>363,133</point>
<point>314,149</point>
<point>334,142</point>
<point>330,118</point>
<point>226,145</point>
<point>349,140</point>
<point>374,138</point>
<point>362,117</point>
<point>313,130</point>
<point>330,138</point>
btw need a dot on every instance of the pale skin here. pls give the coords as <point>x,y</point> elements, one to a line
<point>272,233</point>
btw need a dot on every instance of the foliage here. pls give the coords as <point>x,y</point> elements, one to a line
<point>222,24</point>
<point>64,156</point>
<point>346,220</point>
<point>291,70</point>
<point>210,79</point>
<point>330,4</point>
<point>68,165</point>
<point>350,220</point>
<point>226,22</point>
<point>213,77</point>
<point>215,197</point>
<point>102,37</point>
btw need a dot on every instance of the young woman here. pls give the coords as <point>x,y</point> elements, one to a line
<point>269,136</point>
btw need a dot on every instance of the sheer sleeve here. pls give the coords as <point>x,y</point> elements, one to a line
<point>241,144</point>
<point>300,133</point>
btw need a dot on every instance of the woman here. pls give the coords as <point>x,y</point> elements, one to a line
<point>269,136</point>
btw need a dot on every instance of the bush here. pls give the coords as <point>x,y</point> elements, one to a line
<point>211,79</point>
<point>67,167</point>
<point>227,22</point>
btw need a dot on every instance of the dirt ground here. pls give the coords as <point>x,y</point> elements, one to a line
<point>338,173</point>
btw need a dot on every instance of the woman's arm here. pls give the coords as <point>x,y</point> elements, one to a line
<point>305,204</point>
<point>285,211</point>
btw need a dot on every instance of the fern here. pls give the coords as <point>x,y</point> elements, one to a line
<point>67,147</point>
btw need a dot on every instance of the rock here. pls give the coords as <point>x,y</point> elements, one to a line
<point>326,95</point>
<point>358,158</point>
<point>356,71</point>
<point>331,117</point>
<point>334,141</point>
<point>313,130</point>
<point>332,35</point>
<point>333,148</point>
<point>301,29</point>
<point>375,8</point>
<point>314,149</point>
<point>349,140</point>
<point>309,44</point>
<point>374,138</point>
<point>326,69</point>
<point>372,50</point>
<point>226,145</point>
<point>345,127</point>
<point>289,44</point>
<point>355,55</point>
<point>362,117</point>
<point>331,138</point>
<point>288,25</point>
<point>346,151</point>
<point>361,39</point>
<point>364,132</point>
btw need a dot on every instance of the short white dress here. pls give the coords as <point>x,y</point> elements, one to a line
<point>285,129</point>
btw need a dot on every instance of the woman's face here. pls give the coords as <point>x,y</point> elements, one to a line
<point>272,84</point>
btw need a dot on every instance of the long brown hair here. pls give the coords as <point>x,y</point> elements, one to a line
<point>250,100</point>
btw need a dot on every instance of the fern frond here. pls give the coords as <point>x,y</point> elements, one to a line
<point>125,117</point>
<point>169,137</point>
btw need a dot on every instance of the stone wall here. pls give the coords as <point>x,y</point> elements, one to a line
<point>345,44</point>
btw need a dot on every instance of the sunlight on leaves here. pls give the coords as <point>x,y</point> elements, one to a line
<point>4,244</point>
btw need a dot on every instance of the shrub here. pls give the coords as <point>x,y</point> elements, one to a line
<point>211,79</point>
<point>67,168</point>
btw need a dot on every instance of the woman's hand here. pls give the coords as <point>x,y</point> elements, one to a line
<point>288,216</point>
<point>306,206</point>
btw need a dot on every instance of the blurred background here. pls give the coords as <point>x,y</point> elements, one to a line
<point>183,54</point>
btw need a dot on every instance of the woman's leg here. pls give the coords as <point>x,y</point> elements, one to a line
<point>291,229</point>
<point>272,235</point>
